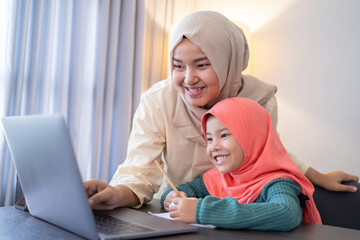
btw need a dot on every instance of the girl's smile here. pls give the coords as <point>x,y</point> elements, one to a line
<point>222,147</point>
<point>221,159</point>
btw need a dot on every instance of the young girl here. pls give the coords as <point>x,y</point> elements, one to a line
<point>254,184</point>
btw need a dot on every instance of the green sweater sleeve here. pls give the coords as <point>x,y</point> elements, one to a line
<point>277,209</point>
<point>196,188</point>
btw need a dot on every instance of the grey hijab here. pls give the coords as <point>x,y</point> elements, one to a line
<point>226,47</point>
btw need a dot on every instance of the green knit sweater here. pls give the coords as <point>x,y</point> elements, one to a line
<point>276,209</point>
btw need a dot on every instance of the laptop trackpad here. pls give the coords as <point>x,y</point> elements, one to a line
<point>148,225</point>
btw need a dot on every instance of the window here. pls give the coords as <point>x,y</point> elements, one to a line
<point>4,15</point>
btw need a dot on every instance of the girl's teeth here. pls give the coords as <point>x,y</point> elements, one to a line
<point>220,158</point>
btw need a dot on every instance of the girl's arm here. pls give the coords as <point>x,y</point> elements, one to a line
<point>277,208</point>
<point>196,188</point>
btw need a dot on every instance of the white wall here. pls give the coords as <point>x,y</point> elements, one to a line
<point>311,50</point>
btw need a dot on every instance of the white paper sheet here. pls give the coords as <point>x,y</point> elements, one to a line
<point>167,216</point>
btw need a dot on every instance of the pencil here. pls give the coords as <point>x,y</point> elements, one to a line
<point>167,177</point>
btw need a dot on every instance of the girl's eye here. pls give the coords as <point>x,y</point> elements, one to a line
<point>209,139</point>
<point>224,135</point>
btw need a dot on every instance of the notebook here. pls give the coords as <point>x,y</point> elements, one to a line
<point>43,155</point>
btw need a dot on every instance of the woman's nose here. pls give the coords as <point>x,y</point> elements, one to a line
<point>191,77</point>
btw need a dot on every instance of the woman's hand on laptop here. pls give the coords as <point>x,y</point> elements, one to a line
<point>103,196</point>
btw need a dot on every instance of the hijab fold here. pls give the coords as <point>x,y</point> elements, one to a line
<point>265,158</point>
<point>226,47</point>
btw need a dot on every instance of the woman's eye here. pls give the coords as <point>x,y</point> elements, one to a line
<point>177,66</point>
<point>203,65</point>
<point>209,139</point>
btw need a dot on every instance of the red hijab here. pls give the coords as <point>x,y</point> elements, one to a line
<point>265,158</point>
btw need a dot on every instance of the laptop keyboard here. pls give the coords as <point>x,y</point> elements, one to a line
<point>110,225</point>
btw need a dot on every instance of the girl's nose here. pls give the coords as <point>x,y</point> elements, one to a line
<point>215,146</point>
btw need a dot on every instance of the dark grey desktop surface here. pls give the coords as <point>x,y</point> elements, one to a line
<point>17,225</point>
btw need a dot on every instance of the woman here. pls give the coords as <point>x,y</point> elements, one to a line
<point>208,54</point>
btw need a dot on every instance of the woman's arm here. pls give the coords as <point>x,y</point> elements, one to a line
<point>330,181</point>
<point>277,208</point>
<point>136,180</point>
<point>146,144</point>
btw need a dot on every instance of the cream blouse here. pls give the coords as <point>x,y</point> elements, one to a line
<point>154,137</point>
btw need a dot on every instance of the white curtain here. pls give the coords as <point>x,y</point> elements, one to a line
<point>80,58</point>
<point>89,60</point>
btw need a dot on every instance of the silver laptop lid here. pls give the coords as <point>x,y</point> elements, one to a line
<point>42,153</point>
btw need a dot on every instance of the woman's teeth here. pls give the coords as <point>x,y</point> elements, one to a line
<point>194,89</point>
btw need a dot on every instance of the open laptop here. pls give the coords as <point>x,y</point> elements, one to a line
<point>47,169</point>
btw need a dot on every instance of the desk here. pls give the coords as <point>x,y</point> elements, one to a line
<point>18,225</point>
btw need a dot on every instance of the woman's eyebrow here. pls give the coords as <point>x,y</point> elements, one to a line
<point>195,60</point>
<point>200,59</point>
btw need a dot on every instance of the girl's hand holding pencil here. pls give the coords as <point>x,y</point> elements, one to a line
<point>167,177</point>
<point>169,199</point>
<point>172,194</point>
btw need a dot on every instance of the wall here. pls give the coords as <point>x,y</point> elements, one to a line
<point>311,51</point>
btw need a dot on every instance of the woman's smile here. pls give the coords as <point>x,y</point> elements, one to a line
<point>194,92</point>
<point>193,75</point>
